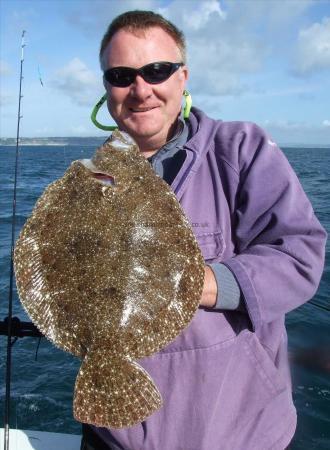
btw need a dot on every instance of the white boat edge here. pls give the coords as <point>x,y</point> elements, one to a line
<point>40,440</point>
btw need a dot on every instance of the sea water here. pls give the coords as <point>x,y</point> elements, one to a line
<point>42,387</point>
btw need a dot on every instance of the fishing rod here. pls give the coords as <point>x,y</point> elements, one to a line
<point>21,329</point>
<point>11,276</point>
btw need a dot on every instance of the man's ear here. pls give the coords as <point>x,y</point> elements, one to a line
<point>183,77</point>
<point>185,73</point>
<point>105,84</point>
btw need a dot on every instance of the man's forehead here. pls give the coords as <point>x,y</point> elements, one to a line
<point>152,43</point>
<point>153,32</point>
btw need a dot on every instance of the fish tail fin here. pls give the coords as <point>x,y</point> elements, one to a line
<point>114,392</point>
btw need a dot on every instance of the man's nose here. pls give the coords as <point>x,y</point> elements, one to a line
<point>140,89</point>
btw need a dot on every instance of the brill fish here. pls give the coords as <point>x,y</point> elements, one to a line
<point>108,268</point>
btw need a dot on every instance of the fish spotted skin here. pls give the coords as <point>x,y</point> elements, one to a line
<point>108,269</point>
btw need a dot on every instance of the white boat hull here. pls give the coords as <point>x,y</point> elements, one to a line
<point>40,440</point>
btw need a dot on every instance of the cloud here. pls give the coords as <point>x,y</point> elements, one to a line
<point>220,50</point>
<point>313,48</point>
<point>79,130</point>
<point>94,17</point>
<point>44,131</point>
<point>299,132</point>
<point>6,99</point>
<point>272,14</point>
<point>230,41</point>
<point>5,68</point>
<point>301,90</point>
<point>227,41</point>
<point>78,82</point>
<point>199,16</point>
<point>287,125</point>
<point>220,69</point>
<point>298,126</point>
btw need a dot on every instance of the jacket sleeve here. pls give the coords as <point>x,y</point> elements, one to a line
<point>229,295</point>
<point>279,241</point>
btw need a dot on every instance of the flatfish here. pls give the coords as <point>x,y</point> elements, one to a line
<point>108,268</point>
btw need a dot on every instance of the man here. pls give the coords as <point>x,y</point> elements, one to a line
<point>225,380</point>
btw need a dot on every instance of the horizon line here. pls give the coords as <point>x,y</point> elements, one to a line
<point>280,144</point>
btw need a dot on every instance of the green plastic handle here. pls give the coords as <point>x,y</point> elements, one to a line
<point>186,111</point>
<point>94,114</point>
<point>188,105</point>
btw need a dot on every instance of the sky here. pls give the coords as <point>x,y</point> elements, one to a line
<point>254,60</point>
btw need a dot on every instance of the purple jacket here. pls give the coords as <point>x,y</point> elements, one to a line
<point>225,380</point>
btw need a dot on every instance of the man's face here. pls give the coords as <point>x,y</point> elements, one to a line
<point>146,111</point>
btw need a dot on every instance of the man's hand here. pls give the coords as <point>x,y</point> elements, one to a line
<point>210,289</point>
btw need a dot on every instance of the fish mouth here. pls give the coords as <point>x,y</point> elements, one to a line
<point>103,178</point>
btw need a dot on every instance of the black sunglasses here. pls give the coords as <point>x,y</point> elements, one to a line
<point>153,73</point>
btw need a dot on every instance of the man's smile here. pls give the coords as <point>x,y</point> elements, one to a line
<point>142,110</point>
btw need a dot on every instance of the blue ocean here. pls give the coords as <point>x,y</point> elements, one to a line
<point>43,377</point>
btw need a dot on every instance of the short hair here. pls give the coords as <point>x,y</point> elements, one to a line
<point>135,21</point>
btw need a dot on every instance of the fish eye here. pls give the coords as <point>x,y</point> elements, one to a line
<point>118,144</point>
<point>121,140</point>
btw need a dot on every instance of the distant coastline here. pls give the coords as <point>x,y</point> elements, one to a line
<point>98,140</point>
<point>54,141</point>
